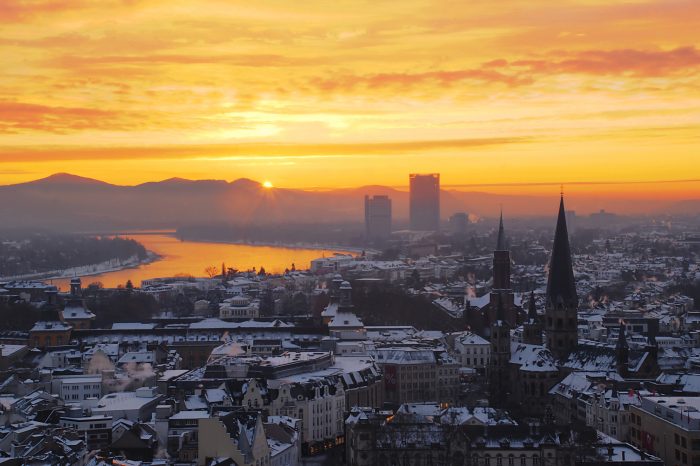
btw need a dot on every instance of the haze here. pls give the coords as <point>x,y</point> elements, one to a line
<point>345,94</point>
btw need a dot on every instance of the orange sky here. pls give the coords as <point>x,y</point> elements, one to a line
<point>347,93</point>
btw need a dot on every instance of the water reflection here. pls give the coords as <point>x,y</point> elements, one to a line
<point>191,258</point>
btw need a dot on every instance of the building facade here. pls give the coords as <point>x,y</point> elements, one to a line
<point>377,218</point>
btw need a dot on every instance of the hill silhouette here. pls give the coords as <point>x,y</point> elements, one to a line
<point>68,202</point>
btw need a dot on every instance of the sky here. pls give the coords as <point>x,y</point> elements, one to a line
<point>510,95</point>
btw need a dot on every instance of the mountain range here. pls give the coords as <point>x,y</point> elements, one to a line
<point>72,203</point>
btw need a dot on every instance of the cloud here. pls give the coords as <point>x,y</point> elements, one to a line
<point>523,72</point>
<point>22,9</point>
<point>248,151</point>
<point>19,116</point>
<point>251,60</point>
<point>641,63</point>
<point>444,78</point>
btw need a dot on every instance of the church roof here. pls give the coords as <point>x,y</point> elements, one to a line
<point>561,287</point>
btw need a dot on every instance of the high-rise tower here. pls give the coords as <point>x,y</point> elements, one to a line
<point>424,202</point>
<point>377,218</point>
<point>561,307</point>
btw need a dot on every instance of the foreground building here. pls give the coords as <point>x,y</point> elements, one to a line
<point>427,434</point>
<point>668,427</point>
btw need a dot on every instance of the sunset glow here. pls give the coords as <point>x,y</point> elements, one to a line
<point>522,96</point>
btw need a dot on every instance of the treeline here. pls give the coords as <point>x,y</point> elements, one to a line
<point>123,305</point>
<point>19,316</point>
<point>390,305</point>
<point>44,252</point>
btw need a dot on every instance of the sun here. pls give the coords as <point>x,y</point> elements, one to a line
<point>267,184</point>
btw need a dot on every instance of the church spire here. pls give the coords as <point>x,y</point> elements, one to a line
<point>622,338</point>
<point>501,243</point>
<point>532,308</point>
<point>561,287</point>
<point>622,351</point>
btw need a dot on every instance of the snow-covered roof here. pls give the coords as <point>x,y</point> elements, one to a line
<point>132,326</point>
<point>471,338</point>
<point>345,319</point>
<point>532,358</point>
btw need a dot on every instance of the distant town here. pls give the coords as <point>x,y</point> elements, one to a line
<point>453,341</point>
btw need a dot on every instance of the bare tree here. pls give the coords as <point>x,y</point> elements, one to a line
<point>211,271</point>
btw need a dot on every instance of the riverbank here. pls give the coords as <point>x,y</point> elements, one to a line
<point>276,244</point>
<point>112,265</point>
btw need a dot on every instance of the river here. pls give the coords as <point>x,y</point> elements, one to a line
<point>192,257</point>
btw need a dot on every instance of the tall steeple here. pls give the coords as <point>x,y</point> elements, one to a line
<point>501,243</point>
<point>561,286</point>
<point>561,306</point>
<point>501,291</point>
<point>501,260</point>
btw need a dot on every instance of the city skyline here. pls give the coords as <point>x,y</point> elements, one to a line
<point>582,91</point>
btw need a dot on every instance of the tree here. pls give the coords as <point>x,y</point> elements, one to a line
<point>129,286</point>
<point>414,281</point>
<point>261,272</point>
<point>294,267</point>
<point>211,271</point>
